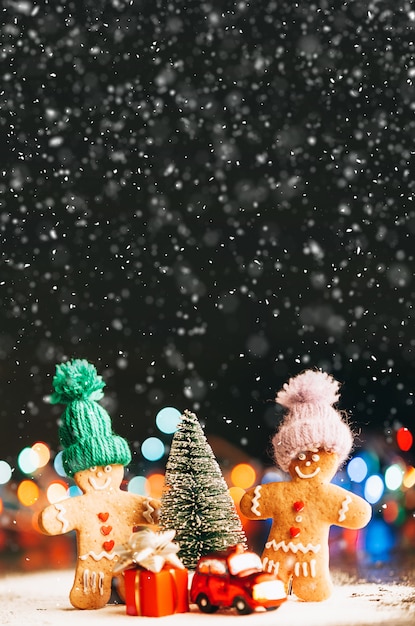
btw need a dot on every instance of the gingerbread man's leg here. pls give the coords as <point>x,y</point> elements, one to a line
<point>92,584</point>
<point>311,579</point>
<point>280,565</point>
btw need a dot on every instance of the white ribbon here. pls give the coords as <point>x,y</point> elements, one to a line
<point>149,549</point>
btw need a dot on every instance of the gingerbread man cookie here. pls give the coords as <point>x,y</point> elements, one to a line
<point>104,516</point>
<point>310,445</point>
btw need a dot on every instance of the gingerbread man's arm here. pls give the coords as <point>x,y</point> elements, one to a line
<point>258,503</point>
<point>60,518</point>
<point>142,511</point>
<point>348,509</point>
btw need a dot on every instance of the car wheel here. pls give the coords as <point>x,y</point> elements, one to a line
<point>204,604</point>
<point>242,606</point>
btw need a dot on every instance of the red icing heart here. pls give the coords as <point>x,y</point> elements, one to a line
<point>103,516</point>
<point>298,506</point>
<point>108,545</point>
<point>106,530</point>
<point>294,532</point>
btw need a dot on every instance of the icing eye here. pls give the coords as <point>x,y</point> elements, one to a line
<point>93,468</point>
<point>107,468</point>
<point>302,456</point>
<point>315,458</point>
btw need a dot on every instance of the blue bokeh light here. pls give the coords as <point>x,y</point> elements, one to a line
<point>28,461</point>
<point>5,472</point>
<point>167,419</point>
<point>357,469</point>
<point>58,465</point>
<point>137,485</point>
<point>374,489</point>
<point>152,449</point>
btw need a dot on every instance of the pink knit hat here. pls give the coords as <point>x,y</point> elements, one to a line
<point>311,422</point>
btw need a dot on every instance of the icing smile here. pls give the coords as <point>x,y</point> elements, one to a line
<point>97,487</point>
<point>301,475</point>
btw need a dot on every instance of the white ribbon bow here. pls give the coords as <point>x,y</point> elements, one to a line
<point>149,549</point>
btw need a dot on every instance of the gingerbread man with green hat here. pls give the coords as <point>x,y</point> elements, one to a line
<point>104,515</point>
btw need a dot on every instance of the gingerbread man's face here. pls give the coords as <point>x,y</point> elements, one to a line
<point>314,464</point>
<point>100,478</point>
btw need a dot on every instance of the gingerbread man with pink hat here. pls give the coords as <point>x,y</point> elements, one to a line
<point>311,444</point>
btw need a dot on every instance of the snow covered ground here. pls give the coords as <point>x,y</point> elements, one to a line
<point>41,599</point>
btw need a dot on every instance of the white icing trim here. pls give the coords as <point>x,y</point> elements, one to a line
<point>97,487</point>
<point>301,475</point>
<point>313,568</point>
<point>86,580</point>
<point>61,516</point>
<point>294,547</point>
<point>90,581</point>
<point>98,557</point>
<point>344,509</point>
<point>305,568</point>
<point>255,501</point>
<point>148,512</point>
<point>270,566</point>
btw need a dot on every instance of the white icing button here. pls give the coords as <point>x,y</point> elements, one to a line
<point>298,519</point>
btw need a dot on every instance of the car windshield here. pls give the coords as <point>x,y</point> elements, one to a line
<point>239,564</point>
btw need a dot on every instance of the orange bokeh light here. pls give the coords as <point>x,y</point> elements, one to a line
<point>27,492</point>
<point>409,477</point>
<point>236,494</point>
<point>155,485</point>
<point>42,452</point>
<point>243,475</point>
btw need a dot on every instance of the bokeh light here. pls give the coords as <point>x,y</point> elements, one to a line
<point>56,491</point>
<point>43,453</point>
<point>394,477</point>
<point>152,449</point>
<point>137,485</point>
<point>357,469</point>
<point>236,494</point>
<point>273,476</point>
<point>372,461</point>
<point>379,538</point>
<point>27,492</point>
<point>28,461</point>
<point>58,465</point>
<point>243,475</point>
<point>155,485</point>
<point>5,472</point>
<point>167,419</point>
<point>390,511</point>
<point>374,488</point>
<point>404,439</point>
<point>409,478</point>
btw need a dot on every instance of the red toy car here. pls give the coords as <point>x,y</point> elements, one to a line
<point>235,578</point>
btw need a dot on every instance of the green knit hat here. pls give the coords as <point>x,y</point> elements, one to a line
<point>85,431</point>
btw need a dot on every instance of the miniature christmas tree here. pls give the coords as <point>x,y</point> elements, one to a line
<point>196,502</point>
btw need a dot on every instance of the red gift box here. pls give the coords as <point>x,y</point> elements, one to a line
<point>156,594</point>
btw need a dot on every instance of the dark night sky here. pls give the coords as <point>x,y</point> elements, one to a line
<point>203,199</point>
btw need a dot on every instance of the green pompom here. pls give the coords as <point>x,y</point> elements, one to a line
<point>76,380</point>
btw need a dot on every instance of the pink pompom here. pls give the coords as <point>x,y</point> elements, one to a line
<point>309,387</point>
